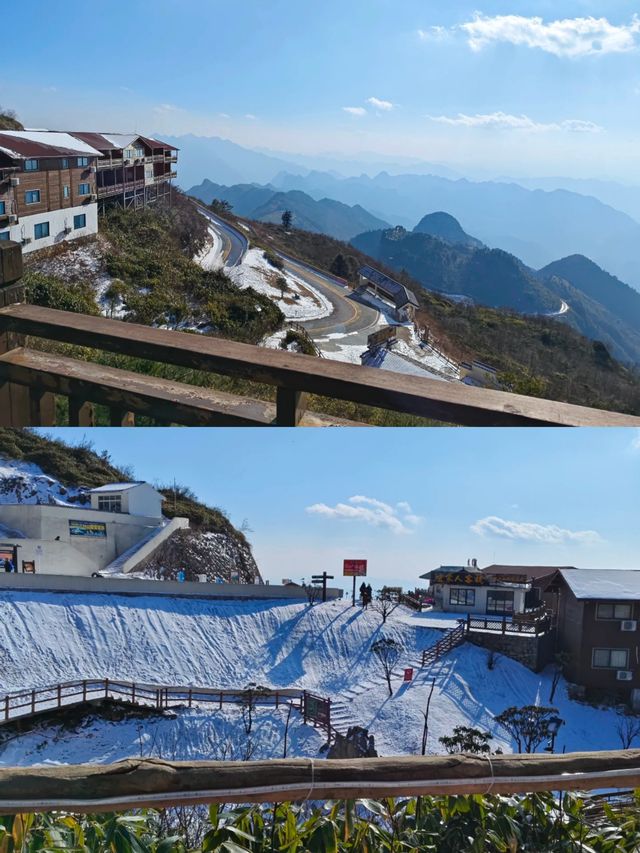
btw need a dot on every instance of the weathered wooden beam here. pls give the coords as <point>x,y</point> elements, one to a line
<point>290,406</point>
<point>81,412</point>
<point>445,401</point>
<point>162,399</point>
<point>154,783</point>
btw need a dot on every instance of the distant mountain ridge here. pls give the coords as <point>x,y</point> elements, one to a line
<point>266,204</point>
<point>536,225</point>
<point>600,306</point>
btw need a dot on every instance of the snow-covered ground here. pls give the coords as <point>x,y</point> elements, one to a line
<point>210,258</point>
<point>85,263</point>
<point>183,735</point>
<point>326,648</point>
<point>300,302</point>
<point>25,483</point>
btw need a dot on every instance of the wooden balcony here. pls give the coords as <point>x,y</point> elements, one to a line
<point>292,375</point>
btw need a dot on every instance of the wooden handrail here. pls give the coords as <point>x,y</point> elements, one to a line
<point>28,703</point>
<point>294,374</point>
<point>154,783</point>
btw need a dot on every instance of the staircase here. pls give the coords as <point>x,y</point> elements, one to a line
<point>143,548</point>
<point>452,638</point>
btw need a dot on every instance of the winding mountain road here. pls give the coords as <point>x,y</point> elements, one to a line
<point>350,316</point>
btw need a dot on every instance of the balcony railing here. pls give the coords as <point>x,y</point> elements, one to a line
<point>293,375</point>
<point>109,164</point>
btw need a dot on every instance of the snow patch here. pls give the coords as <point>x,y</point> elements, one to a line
<point>301,301</point>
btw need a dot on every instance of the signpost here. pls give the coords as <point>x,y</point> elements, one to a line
<point>354,569</point>
<point>323,578</point>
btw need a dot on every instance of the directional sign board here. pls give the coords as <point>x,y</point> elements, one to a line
<point>354,568</point>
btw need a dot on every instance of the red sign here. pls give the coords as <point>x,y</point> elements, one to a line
<point>408,674</point>
<point>354,568</point>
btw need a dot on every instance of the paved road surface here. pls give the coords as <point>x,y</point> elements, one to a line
<point>349,316</point>
<point>235,243</point>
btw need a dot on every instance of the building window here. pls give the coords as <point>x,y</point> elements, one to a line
<point>4,235</point>
<point>64,163</point>
<point>31,165</point>
<point>41,230</point>
<point>84,189</point>
<point>3,208</point>
<point>128,154</point>
<point>110,503</point>
<point>462,596</point>
<point>614,611</point>
<point>83,161</point>
<point>80,221</point>
<point>139,152</point>
<point>500,601</point>
<point>65,192</point>
<point>32,197</point>
<point>610,659</point>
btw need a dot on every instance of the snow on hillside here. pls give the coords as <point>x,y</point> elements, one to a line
<point>51,637</point>
<point>26,483</point>
<point>185,735</point>
<point>301,302</point>
<point>210,258</point>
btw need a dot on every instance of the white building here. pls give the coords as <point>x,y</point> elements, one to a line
<point>467,589</point>
<point>123,526</point>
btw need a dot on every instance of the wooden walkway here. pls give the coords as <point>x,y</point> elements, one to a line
<point>30,703</point>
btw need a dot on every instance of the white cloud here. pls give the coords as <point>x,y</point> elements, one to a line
<point>355,111</point>
<point>507,121</point>
<point>549,534</point>
<point>386,106</point>
<point>398,519</point>
<point>167,108</point>
<point>434,34</point>
<point>569,37</point>
<point>250,116</point>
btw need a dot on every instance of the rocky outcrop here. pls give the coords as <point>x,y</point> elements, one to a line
<point>219,556</point>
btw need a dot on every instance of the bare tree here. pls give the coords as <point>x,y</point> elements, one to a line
<point>385,603</point>
<point>314,593</point>
<point>561,659</point>
<point>388,652</point>
<point>528,726</point>
<point>286,730</point>
<point>425,728</point>
<point>248,702</point>
<point>628,729</point>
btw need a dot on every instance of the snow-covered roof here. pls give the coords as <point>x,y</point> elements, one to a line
<point>19,144</point>
<point>609,584</point>
<point>400,294</point>
<point>116,487</point>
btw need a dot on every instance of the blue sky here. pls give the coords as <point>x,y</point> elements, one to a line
<point>407,500</point>
<point>530,88</point>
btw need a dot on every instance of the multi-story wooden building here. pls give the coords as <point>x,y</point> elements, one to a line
<point>53,184</point>
<point>133,171</point>
<point>47,188</point>
<point>599,630</point>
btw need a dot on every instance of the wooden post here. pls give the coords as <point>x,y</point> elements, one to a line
<point>106,688</point>
<point>504,624</point>
<point>33,701</point>
<point>59,696</point>
<point>119,417</point>
<point>6,707</point>
<point>81,413</point>
<point>133,693</point>
<point>16,406</point>
<point>190,697</point>
<point>290,406</point>
<point>84,691</point>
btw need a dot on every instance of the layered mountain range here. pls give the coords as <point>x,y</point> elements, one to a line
<point>443,257</point>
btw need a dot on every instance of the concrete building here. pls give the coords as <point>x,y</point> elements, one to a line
<point>380,285</point>
<point>123,526</point>
<point>47,188</point>
<point>469,589</point>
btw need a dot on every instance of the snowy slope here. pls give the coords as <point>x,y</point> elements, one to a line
<point>192,735</point>
<point>25,483</point>
<point>47,637</point>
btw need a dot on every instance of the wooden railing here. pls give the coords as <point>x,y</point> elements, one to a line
<point>149,783</point>
<point>28,703</point>
<point>501,625</point>
<point>292,374</point>
<point>453,638</point>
